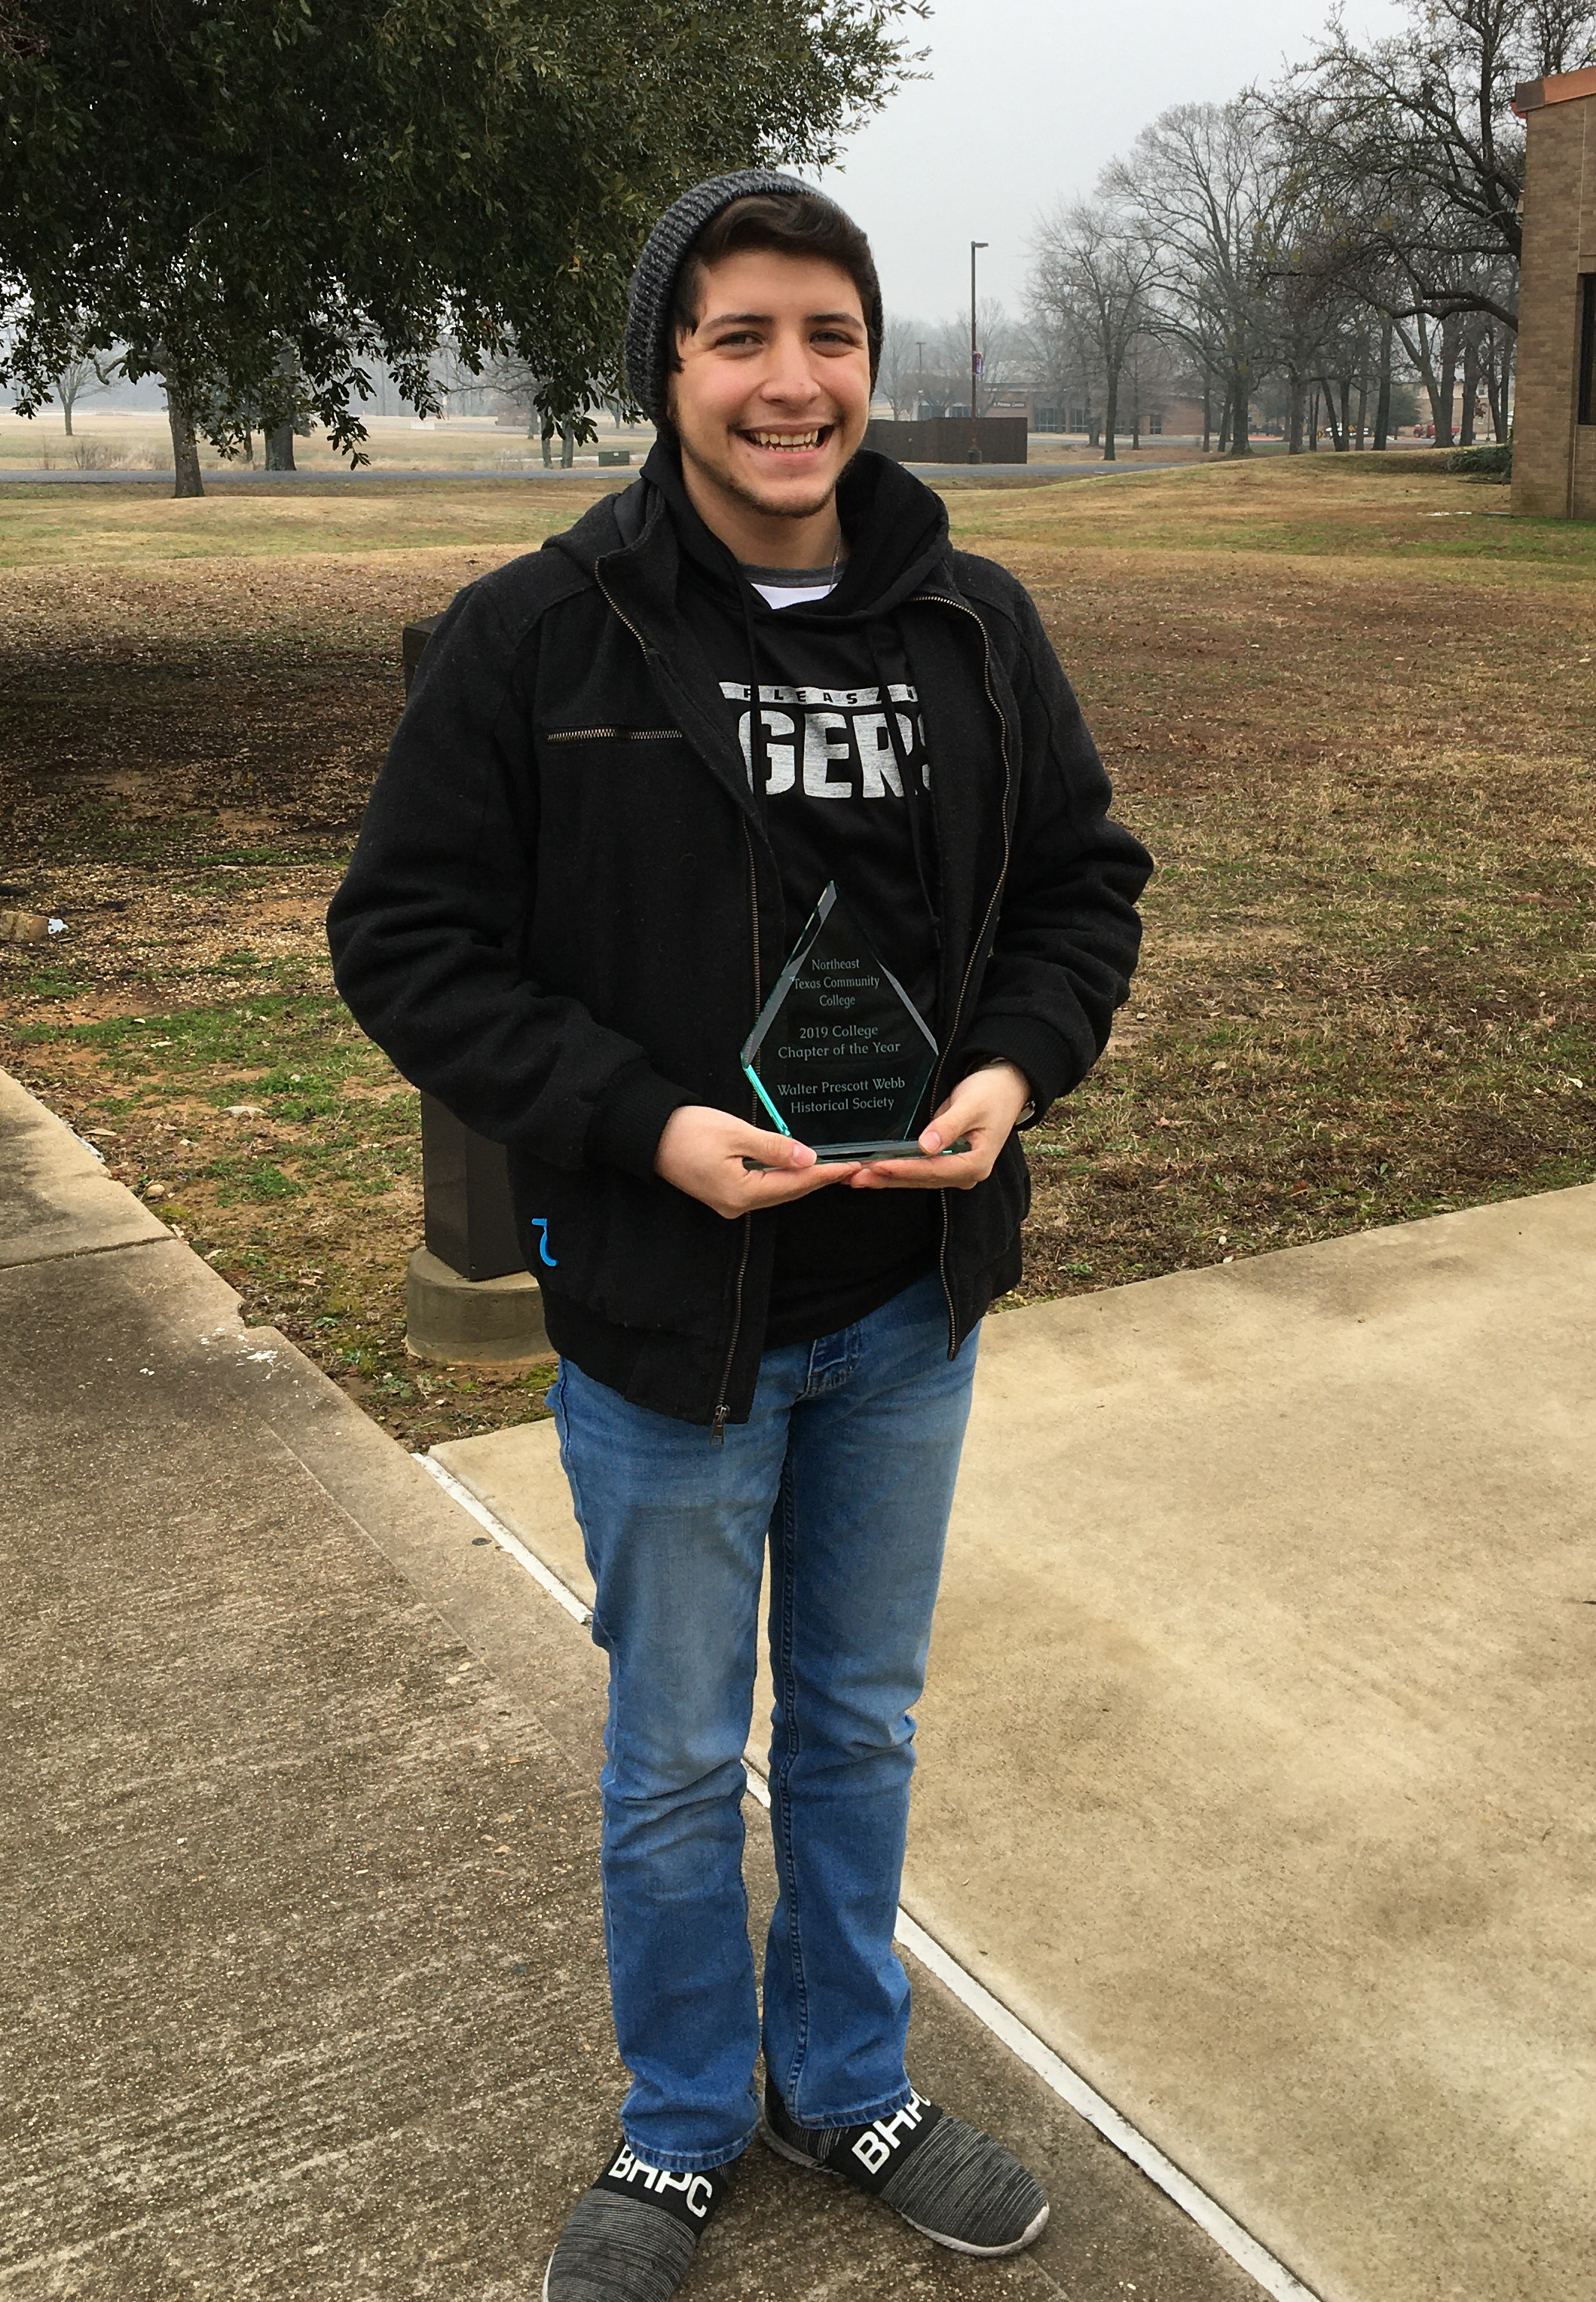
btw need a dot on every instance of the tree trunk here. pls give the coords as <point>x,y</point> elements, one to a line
<point>1294,420</point>
<point>1471,391</point>
<point>1344,437</point>
<point>1495,372</point>
<point>1449,383</point>
<point>1330,413</point>
<point>1241,417</point>
<point>547,439</point>
<point>568,446</point>
<point>1207,412</point>
<point>185,448</point>
<point>1383,405</point>
<point>1362,404</point>
<point>1313,423</point>
<point>1110,417</point>
<point>1225,426</point>
<point>280,448</point>
<point>1417,347</point>
<point>66,410</point>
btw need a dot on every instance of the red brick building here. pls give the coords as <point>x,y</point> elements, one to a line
<point>1554,418</point>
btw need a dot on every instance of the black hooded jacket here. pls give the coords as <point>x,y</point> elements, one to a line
<point>564,912</point>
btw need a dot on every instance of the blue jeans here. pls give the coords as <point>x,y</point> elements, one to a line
<point>847,1464</point>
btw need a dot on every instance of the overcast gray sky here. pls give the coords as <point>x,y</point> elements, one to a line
<point>1026,101</point>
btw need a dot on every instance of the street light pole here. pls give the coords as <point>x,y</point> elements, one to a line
<point>975,358</point>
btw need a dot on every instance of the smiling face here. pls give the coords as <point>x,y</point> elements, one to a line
<point>771,399</point>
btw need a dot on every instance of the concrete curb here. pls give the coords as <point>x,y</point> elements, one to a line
<point>55,1197</point>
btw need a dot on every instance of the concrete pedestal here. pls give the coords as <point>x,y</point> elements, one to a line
<point>495,1323</point>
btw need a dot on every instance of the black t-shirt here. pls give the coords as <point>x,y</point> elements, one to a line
<point>838,758</point>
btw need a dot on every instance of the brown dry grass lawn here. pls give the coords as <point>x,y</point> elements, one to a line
<point>1348,706</point>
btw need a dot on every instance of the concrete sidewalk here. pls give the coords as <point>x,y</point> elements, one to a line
<point>303,1993</point>
<point>1257,1760</point>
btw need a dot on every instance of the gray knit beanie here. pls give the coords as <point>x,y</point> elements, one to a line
<point>649,334</point>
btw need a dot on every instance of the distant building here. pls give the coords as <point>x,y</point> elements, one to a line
<point>1554,415</point>
<point>1165,414</point>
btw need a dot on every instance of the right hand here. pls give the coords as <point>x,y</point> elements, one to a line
<point>701,1152</point>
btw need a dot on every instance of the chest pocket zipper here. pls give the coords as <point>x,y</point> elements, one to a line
<point>614,736</point>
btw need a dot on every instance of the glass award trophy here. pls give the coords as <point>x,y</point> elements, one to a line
<point>840,1056</point>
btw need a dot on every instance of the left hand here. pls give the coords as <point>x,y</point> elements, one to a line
<point>983,1108</point>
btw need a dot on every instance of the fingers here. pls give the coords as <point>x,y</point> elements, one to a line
<point>771,1169</point>
<point>772,1191</point>
<point>969,1116</point>
<point>761,1149</point>
<point>957,1171</point>
<point>966,1112</point>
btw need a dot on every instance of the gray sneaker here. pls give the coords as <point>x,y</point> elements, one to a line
<point>948,2182</point>
<point>632,2237</point>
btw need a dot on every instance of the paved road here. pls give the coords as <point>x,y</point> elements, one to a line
<point>303,1990</point>
<point>612,475</point>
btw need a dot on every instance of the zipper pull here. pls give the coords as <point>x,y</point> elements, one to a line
<point>717,1426</point>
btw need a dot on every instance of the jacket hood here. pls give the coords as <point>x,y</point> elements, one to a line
<point>896,531</point>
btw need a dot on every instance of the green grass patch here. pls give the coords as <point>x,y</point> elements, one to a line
<point>251,1179</point>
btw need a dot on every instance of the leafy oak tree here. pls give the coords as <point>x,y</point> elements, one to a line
<point>256,200</point>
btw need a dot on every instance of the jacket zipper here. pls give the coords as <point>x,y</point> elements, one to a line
<point>718,1421</point>
<point>619,613</point>
<point>718,1424</point>
<point>940,600</point>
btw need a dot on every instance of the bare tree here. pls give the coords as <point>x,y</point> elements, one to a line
<point>1062,358</point>
<point>947,357</point>
<point>518,380</point>
<point>1414,143</point>
<point>1413,147</point>
<point>1001,346</point>
<point>80,377</point>
<point>897,376</point>
<point>1318,317</point>
<point>1208,187</point>
<point>1094,267</point>
<point>942,366</point>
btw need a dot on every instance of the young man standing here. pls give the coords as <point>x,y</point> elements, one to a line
<point>755,693</point>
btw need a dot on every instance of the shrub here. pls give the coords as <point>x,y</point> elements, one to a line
<point>97,456</point>
<point>1482,463</point>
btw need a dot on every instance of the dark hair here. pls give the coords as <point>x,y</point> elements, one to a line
<point>794,223</point>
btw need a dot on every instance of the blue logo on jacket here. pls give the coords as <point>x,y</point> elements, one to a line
<point>540,1223</point>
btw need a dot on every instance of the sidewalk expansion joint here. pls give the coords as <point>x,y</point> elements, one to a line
<point>106,1246</point>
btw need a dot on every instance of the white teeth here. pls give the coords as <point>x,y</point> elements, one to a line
<point>786,439</point>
